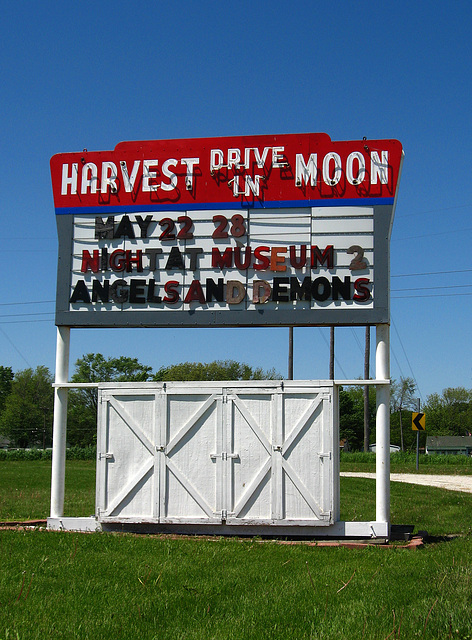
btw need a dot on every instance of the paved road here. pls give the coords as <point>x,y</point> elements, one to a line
<point>453,483</point>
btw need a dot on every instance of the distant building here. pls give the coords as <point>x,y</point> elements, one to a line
<point>393,448</point>
<point>452,445</point>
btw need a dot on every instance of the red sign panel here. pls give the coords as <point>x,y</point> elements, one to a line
<point>227,173</point>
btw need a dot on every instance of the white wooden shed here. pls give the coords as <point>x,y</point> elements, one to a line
<point>218,455</point>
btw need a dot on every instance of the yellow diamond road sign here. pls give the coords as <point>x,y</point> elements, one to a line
<point>418,421</point>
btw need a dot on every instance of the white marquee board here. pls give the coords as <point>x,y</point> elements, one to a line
<point>169,242</point>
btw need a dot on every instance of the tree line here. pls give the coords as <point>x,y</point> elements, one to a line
<point>27,399</point>
<point>447,414</point>
<point>27,396</point>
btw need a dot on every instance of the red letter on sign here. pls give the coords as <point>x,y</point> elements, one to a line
<point>173,294</point>
<point>277,259</point>
<point>297,264</point>
<point>362,292</point>
<point>264,260</point>
<point>327,256</point>
<point>222,261</point>
<point>88,262</point>
<point>195,292</point>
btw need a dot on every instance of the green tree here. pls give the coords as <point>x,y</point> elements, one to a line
<point>6,378</point>
<point>82,407</point>
<point>351,415</point>
<point>403,401</point>
<point>27,415</point>
<point>449,413</point>
<point>217,370</point>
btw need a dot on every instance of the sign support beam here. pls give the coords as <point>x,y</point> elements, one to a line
<point>382,456</point>
<point>60,423</point>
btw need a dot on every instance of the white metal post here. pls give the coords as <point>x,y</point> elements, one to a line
<point>382,455</point>
<point>60,423</point>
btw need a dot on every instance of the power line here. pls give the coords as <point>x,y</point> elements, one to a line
<point>23,321</point>
<point>407,359</point>
<point>9,304</point>
<point>335,358</point>
<point>397,361</point>
<point>402,297</point>
<point>30,250</point>
<point>20,315</point>
<point>357,340</point>
<point>424,213</point>
<point>429,273</point>
<point>15,347</point>
<point>448,286</point>
<point>430,295</point>
<point>428,235</point>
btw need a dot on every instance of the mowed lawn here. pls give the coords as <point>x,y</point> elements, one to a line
<point>25,489</point>
<point>25,495</point>
<point>71,585</point>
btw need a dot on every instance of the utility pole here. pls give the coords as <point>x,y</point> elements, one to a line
<point>366,389</point>
<point>290,353</point>
<point>331,353</point>
<point>418,441</point>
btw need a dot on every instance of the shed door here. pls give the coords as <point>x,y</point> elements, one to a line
<point>190,473</point>
<point>234,455</point>
<point>126,465</point>
<point>282,458</point>
<point>156,459</point>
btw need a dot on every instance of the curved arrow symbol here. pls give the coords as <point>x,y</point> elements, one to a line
<point>418,422</point>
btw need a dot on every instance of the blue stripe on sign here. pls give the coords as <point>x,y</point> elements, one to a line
<point>211,206</point>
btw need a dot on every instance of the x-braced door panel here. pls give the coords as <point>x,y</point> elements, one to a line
<point>191,478</point>
<point>126,465</point>
<point>283,472</point>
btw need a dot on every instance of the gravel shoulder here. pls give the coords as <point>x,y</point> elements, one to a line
<point>453,483</point>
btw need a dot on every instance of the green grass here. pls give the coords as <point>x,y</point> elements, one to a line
<point>25,495</point>
<point>94,586</point>
<point>66,585</point>
<point>406,463</point>
<point>437,511</point>
<point>25,489</point>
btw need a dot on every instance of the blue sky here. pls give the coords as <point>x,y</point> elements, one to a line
<point>91,74</point>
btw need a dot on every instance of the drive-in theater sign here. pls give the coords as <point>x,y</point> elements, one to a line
<point>285,230</point>
<point>264,230</point>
